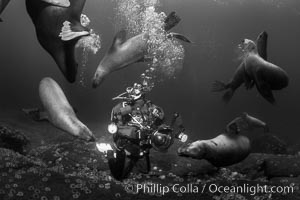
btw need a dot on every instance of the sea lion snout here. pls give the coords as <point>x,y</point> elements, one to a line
<point>86,134</point>
<point>192,150</point>
<point>97,80</point>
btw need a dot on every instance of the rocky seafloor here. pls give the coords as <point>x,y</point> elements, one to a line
<point>73,169</point>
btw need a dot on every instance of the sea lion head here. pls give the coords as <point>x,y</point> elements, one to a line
<point>195,150</point>
<point>248,46</point>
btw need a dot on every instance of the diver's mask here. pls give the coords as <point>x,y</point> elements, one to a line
<point>136,91</point>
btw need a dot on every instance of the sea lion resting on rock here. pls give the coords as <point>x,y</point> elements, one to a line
<point>58,111</point>
<point>255,70</point>
<point>227,148</point>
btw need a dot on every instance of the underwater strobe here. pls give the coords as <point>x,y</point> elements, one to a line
<point>112,128</point>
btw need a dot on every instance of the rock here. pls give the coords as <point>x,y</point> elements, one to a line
<point>282,166</point>
<point>251,167</point>
<point>14,140</point>
<point>72,156</point>
<point>269,144</point>
<point>14,160</point>
<point>75,170</point>
<point>181,166</point>
<point>294,149</point>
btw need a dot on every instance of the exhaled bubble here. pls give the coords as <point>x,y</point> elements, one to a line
<point>165,53</point>
<point>88,44</point>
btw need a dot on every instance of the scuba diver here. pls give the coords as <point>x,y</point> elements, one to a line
<point>137,125</point>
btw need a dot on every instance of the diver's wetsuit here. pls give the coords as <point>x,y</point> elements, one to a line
<point>130,140</point>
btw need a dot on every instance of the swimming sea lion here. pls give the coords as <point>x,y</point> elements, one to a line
<point>59,112</point>
<point>227,148</point>
<point>121,54</point>
<point>124,52</point>
<point>58,28</point>
<point>254,70</point>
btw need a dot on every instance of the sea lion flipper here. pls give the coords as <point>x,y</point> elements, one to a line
<point>218,86</point>
<point>119,39</point>
<point>1,20</point>
<point>171,20</point>
<point>265,90</point>
<point>61,3</point>
<point>261,42</point>
<point>180,37</point>
<point>228,95</point>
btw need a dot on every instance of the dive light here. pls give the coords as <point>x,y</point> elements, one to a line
<point>112,128</point>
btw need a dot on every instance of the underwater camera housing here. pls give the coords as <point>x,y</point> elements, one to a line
<point>162,139</point>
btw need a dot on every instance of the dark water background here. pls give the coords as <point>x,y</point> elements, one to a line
<point>215,26</point>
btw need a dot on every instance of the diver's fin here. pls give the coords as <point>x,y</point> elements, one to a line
<point>171,20</point>
<point>265,91</point>
<point>70,32</point>
<point>119,39</point>
<point>228,95</point>
<point>218,86</point>
<point>36,114</point>
<point>61,3</point>
<point>1,20</point>
<point>180,37</point>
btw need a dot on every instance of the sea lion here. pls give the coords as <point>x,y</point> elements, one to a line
<point>62,3</point>
<point>121,54</point>
<point>254,70</point>
<point>227,148</point>
<point>59,112</point>
<point>246,123</point>
<point>124,52</point>
<point>58,29</point>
